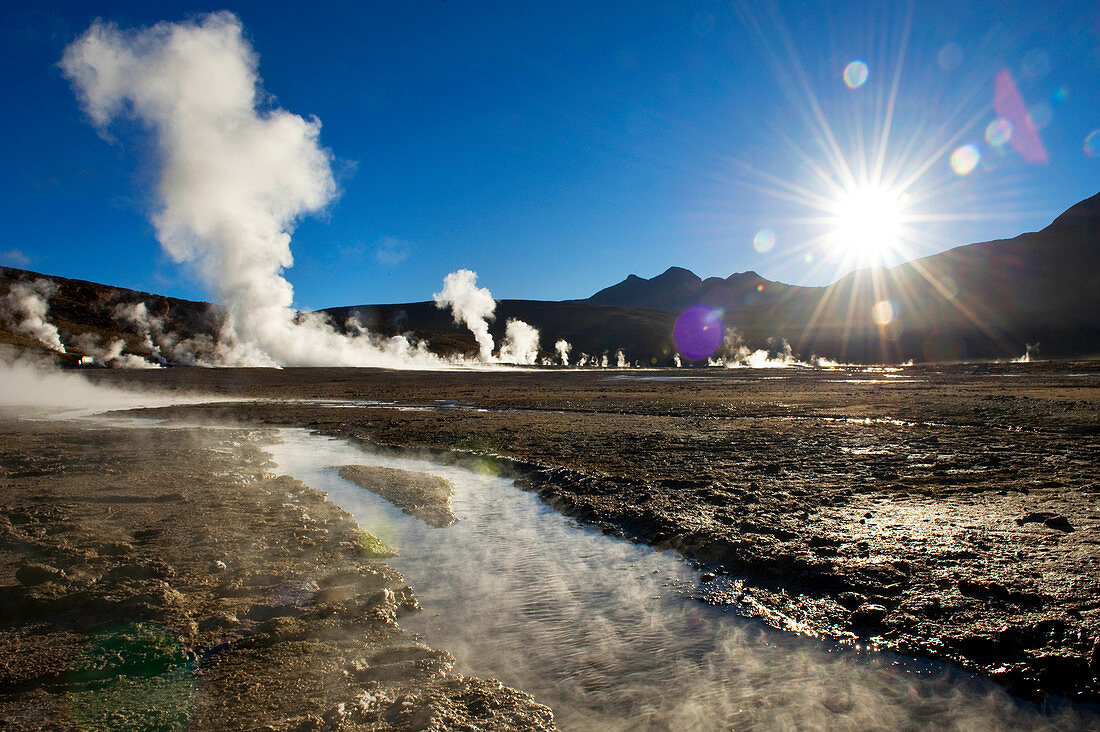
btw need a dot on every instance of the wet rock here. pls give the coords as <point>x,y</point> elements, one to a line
<point>850,600</point>
<point>30,575</point>
<point>1018,680</point>
<point>1061,670</point>
<point>868,613</point>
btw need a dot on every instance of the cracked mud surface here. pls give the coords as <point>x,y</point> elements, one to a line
<point>941,511</point>
<point>158,578</point>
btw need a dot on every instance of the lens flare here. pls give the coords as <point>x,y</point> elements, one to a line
<point>855,74</point>
<point>965,159</point>
<point>950,56</point>
<point>1010,105</point>
<point>1035,64</point>
<point>698,332</point>
<point>998,132</point>
<point>1092,144</point>
<point>764,240</point>
<point>883,313</point>
<point>1041,114</point>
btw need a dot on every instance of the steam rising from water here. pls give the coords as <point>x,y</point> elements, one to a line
<point>605,633</point>
<point>29,381</point>
<point>234,178</point>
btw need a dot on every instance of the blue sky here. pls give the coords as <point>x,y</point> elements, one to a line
<point>556,147</point>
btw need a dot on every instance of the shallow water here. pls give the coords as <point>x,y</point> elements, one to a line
<point>608,634</point>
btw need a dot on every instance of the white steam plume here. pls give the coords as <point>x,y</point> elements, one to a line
<point>521,343</point>
<point>563,348</point>
<point>620,359</point>
<point>778,354</point>
<point>470,305</point>
<point>233,180</point>
<point>112,354</point>
<point>25,308</point>
<point>137,315</point>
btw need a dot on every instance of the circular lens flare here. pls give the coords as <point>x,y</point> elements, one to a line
<point>883,312</point>
<point>855,74</point>
<point>965,159</point>
<point>764,240</point>
<point>698,332</point>
<point>1092,144</point>
<point>998,132</point>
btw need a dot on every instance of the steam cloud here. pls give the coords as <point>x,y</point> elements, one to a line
<point>471,306</point>
<point>521,343</point>
<point>25,308</point>
<point>735,354</point>
<point>563,348</point>
<point>233,181</point>
<point>474,307</point>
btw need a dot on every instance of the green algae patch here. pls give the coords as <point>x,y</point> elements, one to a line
<point>372,547</point>
<point>136,677</point>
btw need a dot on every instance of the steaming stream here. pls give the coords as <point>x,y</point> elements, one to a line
<point>607,633</point>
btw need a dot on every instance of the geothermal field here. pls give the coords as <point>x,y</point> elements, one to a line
<point>846,478</point>
<point>852,547</point>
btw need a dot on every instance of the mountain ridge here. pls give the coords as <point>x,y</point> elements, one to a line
<point>984,300</point>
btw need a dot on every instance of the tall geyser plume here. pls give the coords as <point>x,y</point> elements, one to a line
<point>470,305</point>
<point>234,176</point>
<point>563,348</point>
<point>25,307</point>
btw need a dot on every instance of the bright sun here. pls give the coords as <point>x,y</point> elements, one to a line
<point>867,224</point>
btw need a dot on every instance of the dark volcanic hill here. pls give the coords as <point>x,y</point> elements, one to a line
<point>989,300</point>
<point>677,289</point>
<point>78,309</point>
<point>985,300</point>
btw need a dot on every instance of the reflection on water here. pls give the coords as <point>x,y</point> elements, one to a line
<point>606,632</point>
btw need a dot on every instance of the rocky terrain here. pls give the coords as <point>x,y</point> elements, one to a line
<point>942,511</point>
<point>156,578</point>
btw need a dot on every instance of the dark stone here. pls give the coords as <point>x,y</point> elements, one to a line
<point>868,614</point>
<point>1061,523</point>
<point>30,575</point>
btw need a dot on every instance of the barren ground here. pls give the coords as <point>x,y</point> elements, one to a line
<point>949,512</point>
<point>155,578</point>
